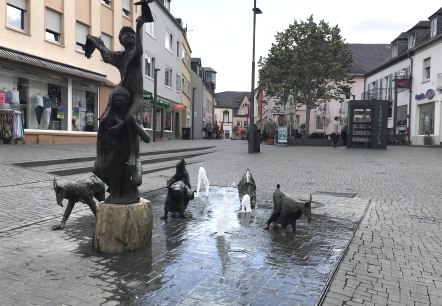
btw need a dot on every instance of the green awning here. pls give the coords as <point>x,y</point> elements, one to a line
<point>148,96</point>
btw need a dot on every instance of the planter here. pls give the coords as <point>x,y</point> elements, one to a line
<point>270,141</point>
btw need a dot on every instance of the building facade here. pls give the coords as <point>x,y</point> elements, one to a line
<point>412,81</point>
<point>44,72</point>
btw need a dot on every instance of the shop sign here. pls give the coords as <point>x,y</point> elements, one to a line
<point>148,96</point>
<point>403,83</point>
<point>429,94</point>
<point>180,107</point>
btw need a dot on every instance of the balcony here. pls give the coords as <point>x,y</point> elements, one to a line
<point>378,94</point>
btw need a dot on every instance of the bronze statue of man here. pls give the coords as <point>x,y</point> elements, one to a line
<point>118,162</point>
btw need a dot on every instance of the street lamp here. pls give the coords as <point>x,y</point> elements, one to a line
<point>252,92</point>
<point>155,85</point>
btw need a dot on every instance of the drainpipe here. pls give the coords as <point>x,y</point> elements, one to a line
<point>193,109</point>
<point>410,99</point>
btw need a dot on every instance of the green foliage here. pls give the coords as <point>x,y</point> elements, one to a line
<point>271,127</point>
<point>309,60</point>
<point>428,140</point>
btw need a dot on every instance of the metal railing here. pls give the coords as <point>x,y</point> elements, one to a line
<point>378,94</point>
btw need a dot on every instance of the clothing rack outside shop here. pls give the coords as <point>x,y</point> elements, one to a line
<point>11,126</point>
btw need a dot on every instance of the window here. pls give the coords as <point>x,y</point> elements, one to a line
<point>126,8</point>
<point>347,92</point>
<point>16,14</point>
<point>226,117</point>
<point>319,123</point>
<point>149,66</point>
<point>178,49</point>
<point>433,27</point>
<point>107,40</point>
<point>168,120</point>
<point>426,118</point>
<point>81,31</point>
<point>150,27</point>
<point>411,40</point>
<point>427,69</point>
<point>53,26</point>
<point>168,41</point>
<point>168,77</point>
<point>394,50</point>
<point>238,123</point>
<point>167,4</point>
<point>178,82</point>
<point>107,2</point>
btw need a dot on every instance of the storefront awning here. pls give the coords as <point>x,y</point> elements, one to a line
<point>148,96</point>
<point>51,65</point>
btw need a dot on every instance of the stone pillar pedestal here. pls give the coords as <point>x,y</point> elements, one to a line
<point>121,228</point>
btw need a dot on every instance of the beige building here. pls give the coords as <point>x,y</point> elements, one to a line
<point>186,90</point>
<point>60,91</point>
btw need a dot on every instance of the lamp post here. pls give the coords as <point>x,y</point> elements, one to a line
<point>155,84</point>
<point>252,92</point>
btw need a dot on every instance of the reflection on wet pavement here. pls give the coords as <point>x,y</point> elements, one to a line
<point>188,263</point>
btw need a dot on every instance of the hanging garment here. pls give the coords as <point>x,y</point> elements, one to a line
<point>39,112</point>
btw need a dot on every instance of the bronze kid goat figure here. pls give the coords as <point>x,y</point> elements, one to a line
<point>83,190</point>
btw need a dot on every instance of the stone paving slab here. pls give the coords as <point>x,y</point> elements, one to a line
<point>394,257</point>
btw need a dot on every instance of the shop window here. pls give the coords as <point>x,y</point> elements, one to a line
<point>81,32</point>
<point>53,26</point>
<point>127,8</point>
<point>16,14</point>
<point>146,116</point>
<point>426,118</point>
<point>168,121</point>
<point>168,77</point>
<point>84,106</point>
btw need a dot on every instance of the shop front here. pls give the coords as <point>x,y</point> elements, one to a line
<point>165,126</point>
<point>427,120</point>
<point>56,107</point>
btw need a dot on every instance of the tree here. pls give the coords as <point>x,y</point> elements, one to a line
<point>308,60</point>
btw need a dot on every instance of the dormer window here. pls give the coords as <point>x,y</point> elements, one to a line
<point>433,27</point>
<point>411,40</point>
<point>394,50</point>
<point>167,4</point>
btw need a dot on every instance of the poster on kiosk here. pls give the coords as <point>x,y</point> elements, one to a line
<point>282,134</point>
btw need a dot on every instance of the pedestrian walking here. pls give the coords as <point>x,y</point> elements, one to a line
<point>335,132</point>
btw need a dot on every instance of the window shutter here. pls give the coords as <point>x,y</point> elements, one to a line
<point>81,32</point>
<point>53,21</point>
<point>21,4</point>
<point>126,5</point>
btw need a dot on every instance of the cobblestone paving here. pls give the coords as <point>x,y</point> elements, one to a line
<point>394,257</point>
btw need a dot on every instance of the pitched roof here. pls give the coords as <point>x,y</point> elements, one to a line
<point>367,57</point>
<point>230,99</point>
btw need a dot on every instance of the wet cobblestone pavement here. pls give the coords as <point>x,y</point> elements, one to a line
<point>394,257</point>
<point>188,262</point>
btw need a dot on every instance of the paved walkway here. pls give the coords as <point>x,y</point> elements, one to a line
<point>394,258</point>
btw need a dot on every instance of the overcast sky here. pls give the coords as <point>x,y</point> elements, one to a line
<point>220,31</point>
